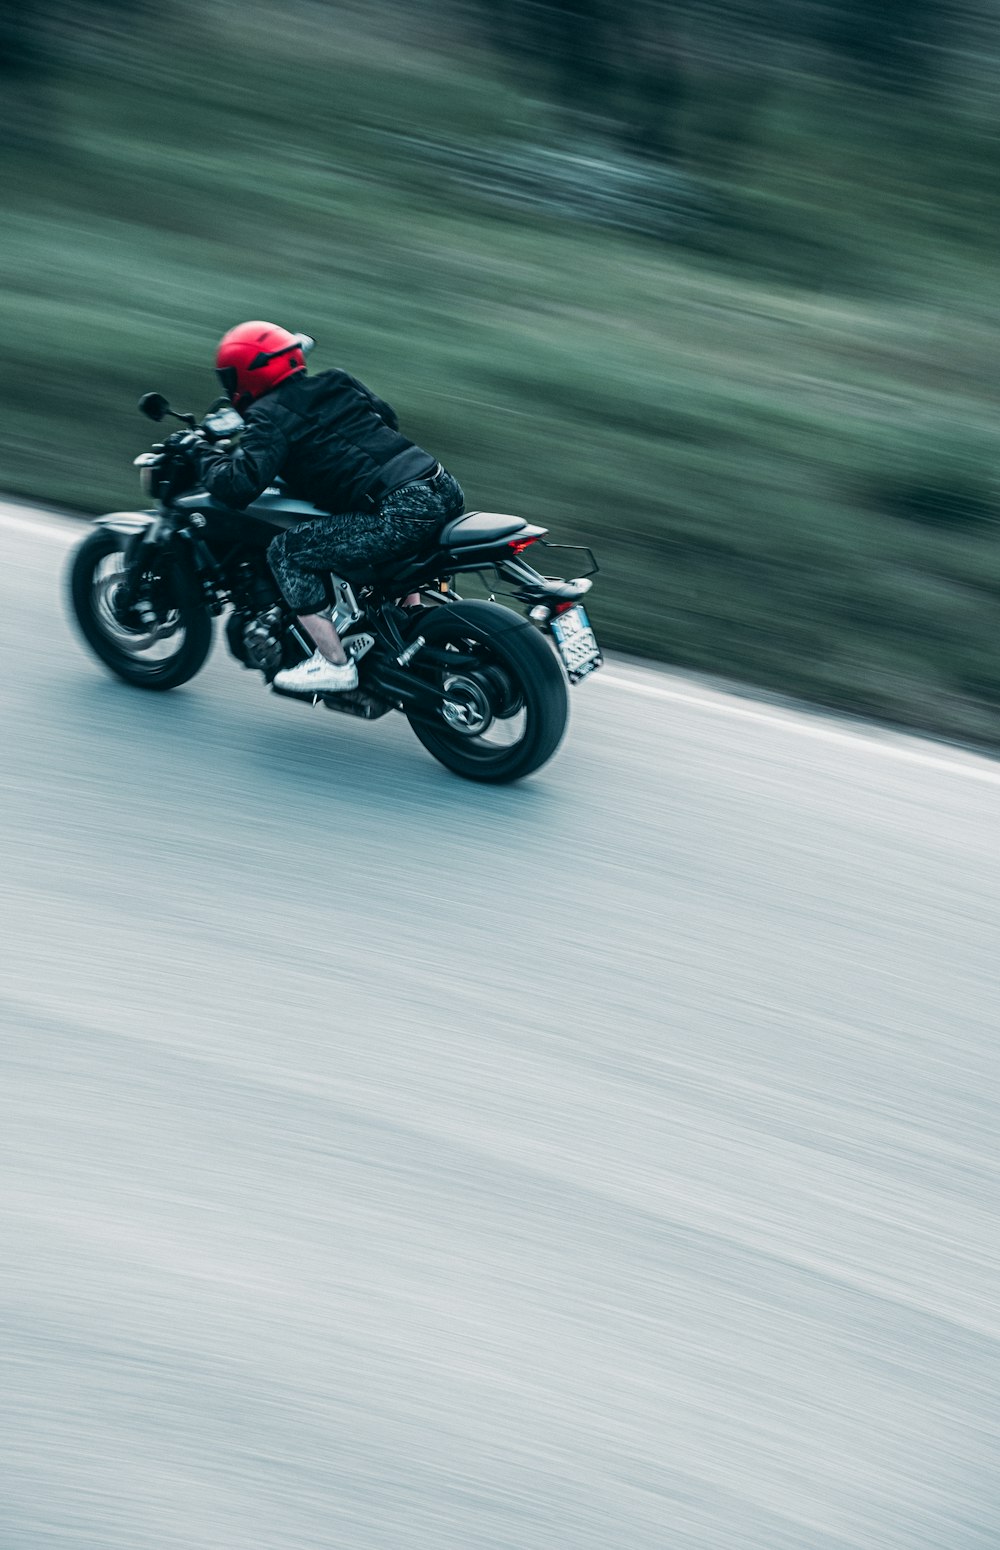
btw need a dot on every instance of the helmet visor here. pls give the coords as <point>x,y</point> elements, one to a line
<point>227,376</point>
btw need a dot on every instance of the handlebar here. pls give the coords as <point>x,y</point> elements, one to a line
<point>220,423</point>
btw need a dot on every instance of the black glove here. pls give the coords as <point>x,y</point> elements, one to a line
<point>185,440</point>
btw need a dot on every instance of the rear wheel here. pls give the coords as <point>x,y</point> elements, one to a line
<point>504,706</point>
<point>158,652</point>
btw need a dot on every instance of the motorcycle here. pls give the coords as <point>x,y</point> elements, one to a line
<point>479,683</point>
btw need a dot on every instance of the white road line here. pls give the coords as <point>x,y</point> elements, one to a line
<point>973,767</point>
<point>50,528</point>
<point>63,530</point>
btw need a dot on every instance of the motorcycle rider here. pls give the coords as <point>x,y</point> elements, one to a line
<point>334,443</point>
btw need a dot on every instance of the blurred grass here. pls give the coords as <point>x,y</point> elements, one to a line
<point>782,446</point>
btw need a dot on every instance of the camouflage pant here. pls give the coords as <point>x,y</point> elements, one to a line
<point>405,521</point>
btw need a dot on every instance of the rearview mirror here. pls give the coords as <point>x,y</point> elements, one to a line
<point>154,406</point>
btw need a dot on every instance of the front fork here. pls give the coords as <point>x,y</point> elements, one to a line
<point>134,594</point>
<point>144,548</point>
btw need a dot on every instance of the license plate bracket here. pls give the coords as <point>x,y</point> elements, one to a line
<point>576,643</point>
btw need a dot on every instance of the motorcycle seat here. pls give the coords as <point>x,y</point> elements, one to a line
<point>478,527</point>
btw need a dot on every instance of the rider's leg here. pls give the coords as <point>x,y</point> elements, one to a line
<point>324,636</point>
<point>303,556</point>
<point>300,560</point>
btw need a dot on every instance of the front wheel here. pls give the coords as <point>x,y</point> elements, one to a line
<point>157,652</point>
<point>504,705</point>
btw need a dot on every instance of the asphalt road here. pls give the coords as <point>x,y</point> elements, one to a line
<point>610,1161</point>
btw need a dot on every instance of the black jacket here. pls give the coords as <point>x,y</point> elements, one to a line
<point>328,438</point>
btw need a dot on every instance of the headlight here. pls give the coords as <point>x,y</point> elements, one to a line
<point>148,464</point>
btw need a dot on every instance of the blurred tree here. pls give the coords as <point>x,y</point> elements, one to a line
<point>25,59</point>
<point>34,32</point>
<point>566,39</point>
<point>896,42</point>
<point>23,39</point>
<point>637,67</point>
<point>37,37</point>
<point>607,63</point>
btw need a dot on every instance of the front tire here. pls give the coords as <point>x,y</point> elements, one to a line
<point>161,656</point>
<point>503,718</point>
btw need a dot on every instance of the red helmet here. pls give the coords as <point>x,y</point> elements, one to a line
<point>254,357</point>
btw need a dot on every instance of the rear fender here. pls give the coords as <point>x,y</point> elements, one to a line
<point>471,612</point>
<point>535,588</point>
<point>501,620</point>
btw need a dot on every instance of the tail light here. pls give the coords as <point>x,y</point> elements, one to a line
<point>517,545</point>
<point>542,613</point>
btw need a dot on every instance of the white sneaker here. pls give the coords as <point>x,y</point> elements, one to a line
<point>318,676</point>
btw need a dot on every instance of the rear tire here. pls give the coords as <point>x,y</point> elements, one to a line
<point>130,649</point>
<point>519,679</point>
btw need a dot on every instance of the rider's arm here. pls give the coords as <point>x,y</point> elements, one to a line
<point>237,478</point>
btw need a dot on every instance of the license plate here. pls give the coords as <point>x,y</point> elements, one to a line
<point>577,643</point>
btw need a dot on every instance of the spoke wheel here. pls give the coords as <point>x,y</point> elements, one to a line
<point>159,648</point>
<point>502,716</point>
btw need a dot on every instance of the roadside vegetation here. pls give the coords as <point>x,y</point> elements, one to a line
<point>743,342</point>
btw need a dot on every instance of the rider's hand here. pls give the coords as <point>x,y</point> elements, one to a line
<point>184,440</point>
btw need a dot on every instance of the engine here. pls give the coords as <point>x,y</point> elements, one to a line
<point>255,641</point>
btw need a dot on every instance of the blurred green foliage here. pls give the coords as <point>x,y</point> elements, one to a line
<point>778,431</point>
